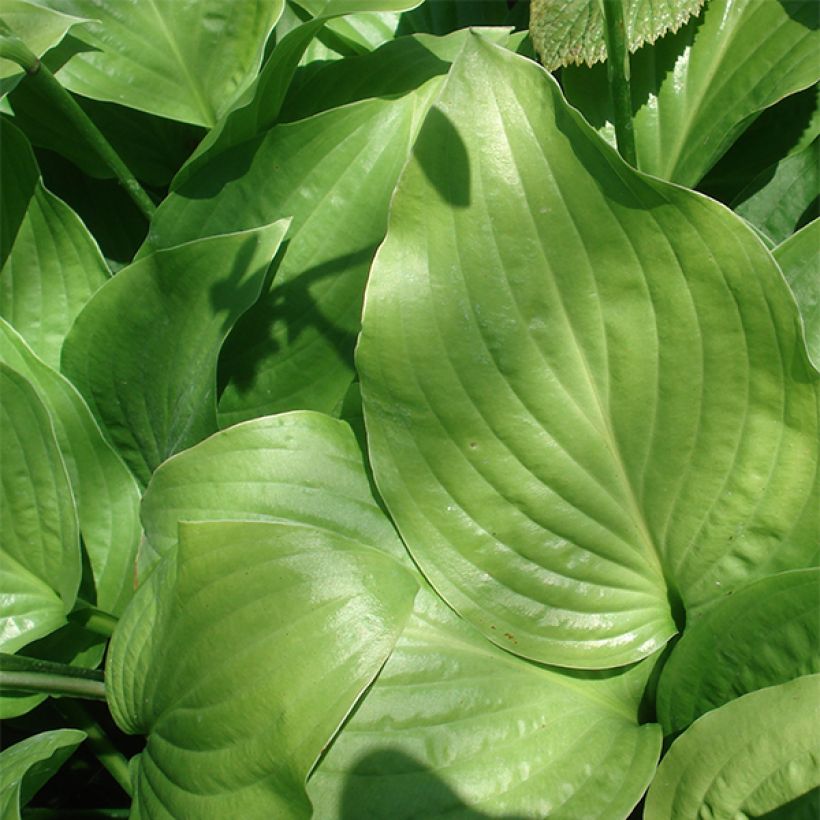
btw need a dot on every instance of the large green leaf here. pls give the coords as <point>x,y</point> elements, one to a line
<point>52,265</point>
<point>334,174</point>
<point>184,61</point>
<point>694,92</point>
<point>745,759</point>
<point>40,555</point>
<point>241,656</point>
<point>106,493</point>
<point>39,28</point>
<point>572,31</point>
<point>302,466</point>
<point>454,725</point>
<point>775,202</point>
<point>585,390</point>
<point>797,257</point>
<point>27,765</point>
<point>143,352</point>
<point>766,633</point>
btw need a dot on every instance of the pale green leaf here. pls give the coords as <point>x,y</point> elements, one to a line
<point>186,61</point>
<point>106,493</point>
<point>39,536</point>
<point>241,656</point>
<point>585,390</point>
<point>572,31</point>
<point>302,466</point>
<point>454,726</point>
<point>143,352</point>
<point>334,174</point>
<point>766,633</point>
<point>694,92</point>
<point>775,201</point>
<point>39,28</point>
<point>29,764</point>
<point>52,264</point>
<point>744,759</point>
<point>799,259</point>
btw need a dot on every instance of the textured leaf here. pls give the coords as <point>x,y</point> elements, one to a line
<point>39,28</point>
<point>585,390</point>
<point>775,202</point>
<point>747,758</point>
<point>240,657</point>
<point>184,61</point>
<point>798,259</point>
<point>302,466</point>
<point>28,765</point>
<point>106,493</point>
<point>52,265</point>
<point>143,352</point>
<point>453,725</point>
<point>766,633</point>
<point>40,554</point>
<point>572,31</point>
<point>694,92</point>
<point>334,174</point>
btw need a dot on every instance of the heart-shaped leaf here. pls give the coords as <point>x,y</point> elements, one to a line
<point>300,467</point>
<point>797,257</point>
<point>52,264</point>
<point>585,390</point>
<point>184,61</point>
<point>572,31</point>
<point>766,633</point>
<point>240,657</point>
<point>747,758</point>
<point>694,92</point>
<point>40,555</point>
<point>143,352</point>
<point>28,765</point>
<point>454,725</point>
<point>106,493</point>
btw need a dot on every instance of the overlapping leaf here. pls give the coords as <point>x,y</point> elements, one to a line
<point>143,352</point>
<point>184,61</point>
<point>50,264</point>
<point>40,555</point>
<point>454,726</point>
<point>694,92</point>
<point>765,634</point>
<point>585,391</point>
<point>750,757</point>
<point>241,656</point>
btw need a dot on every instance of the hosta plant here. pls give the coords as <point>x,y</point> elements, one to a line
<point>410,410</point>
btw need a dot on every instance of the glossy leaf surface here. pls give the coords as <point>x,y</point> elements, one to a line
<point>106,493</point>
<point>564,421</point>
<point>51,264</point>
<point>27,765</point>
<point>797,257</point>
<point>747,758</point>
<point>40,553</point>
<point>695,91</point>
<point>240,657</point>
<point>299,467</point>
<point>454,726</point>
<point>143,352</point>
<point>334,174</point>
<point>572,31</point>
<point>766,633</point>
<point>182,60</point>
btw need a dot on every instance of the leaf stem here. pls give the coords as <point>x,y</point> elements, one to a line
<point>94,620</point>
<point>12,48</point>
<point>98,740</point>
<point>21,674</point>
<point>618,73</point>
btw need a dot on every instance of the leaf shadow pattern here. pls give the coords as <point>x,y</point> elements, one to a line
<point>807,13</point>
<point>387,784</point>
<point>442,156</point>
